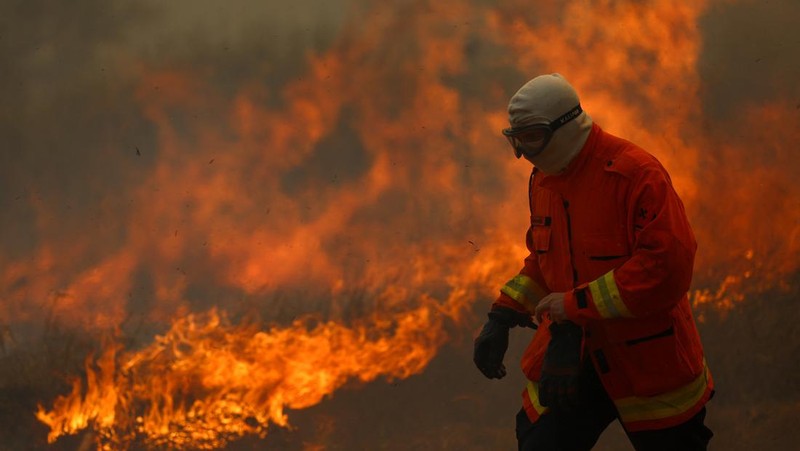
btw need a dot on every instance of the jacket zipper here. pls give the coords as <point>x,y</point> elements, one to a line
<point>569,239</point>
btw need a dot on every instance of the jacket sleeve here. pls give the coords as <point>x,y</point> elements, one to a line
<point>658,273</point>
<point>524,291</point>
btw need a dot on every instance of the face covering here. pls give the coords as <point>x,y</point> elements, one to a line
<point>548,99</point>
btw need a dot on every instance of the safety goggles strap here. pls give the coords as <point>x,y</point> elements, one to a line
<point>552,126</point>
<point>566,117</point>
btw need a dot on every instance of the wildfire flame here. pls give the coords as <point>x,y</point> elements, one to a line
<point>380,169</point>
<point>206,381</point>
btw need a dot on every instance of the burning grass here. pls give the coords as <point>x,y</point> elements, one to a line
<point>447,406</point>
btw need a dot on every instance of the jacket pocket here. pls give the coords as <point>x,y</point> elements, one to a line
<point>653,361</point>
<point>540,237</point>
<point>605,248</point>
<point>664,333</point>
<point>601,254</point>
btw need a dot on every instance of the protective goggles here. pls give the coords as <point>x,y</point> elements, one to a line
<point>532,139</point>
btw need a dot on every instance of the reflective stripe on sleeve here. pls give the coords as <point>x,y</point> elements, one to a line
<point>606,298</point>
<point>524,290</point>
<point>670,404</point>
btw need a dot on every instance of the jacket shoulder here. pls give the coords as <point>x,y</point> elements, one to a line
<point>628,159</point>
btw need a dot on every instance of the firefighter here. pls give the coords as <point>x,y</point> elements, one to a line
<point>606,280</point>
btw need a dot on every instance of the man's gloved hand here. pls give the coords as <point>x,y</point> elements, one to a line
<point>558,387</point>
<point>492,343</point>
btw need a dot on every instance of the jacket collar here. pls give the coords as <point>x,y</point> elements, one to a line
<point>558,181</point>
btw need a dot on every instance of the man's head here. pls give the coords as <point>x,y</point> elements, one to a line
<point>548,126</point>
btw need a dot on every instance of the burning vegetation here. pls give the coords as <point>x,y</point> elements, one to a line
<point>332,218</point>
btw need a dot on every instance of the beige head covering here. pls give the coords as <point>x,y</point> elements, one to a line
<point>542,100</point>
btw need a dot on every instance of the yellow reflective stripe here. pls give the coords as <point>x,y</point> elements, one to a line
<point>533,393</point>
<point>606,297</point>
<point>524,290</point>
<point>670,404</point>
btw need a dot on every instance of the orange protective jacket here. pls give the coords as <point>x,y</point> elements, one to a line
<point>612,234</point>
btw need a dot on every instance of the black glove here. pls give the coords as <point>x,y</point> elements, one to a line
<point>492,343</point>
<point>558,387</point>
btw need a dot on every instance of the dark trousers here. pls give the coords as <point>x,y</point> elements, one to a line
<point>579,429</point>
